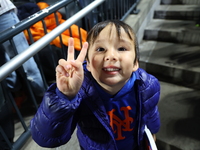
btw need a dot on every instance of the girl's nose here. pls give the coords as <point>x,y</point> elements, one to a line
<point>111,55</point>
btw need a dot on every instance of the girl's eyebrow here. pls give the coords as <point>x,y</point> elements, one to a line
<point>98,41</point>
<point>124,41</point>
<point>120,40</point>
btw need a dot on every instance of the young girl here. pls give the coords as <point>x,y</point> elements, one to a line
<point>108,98</point>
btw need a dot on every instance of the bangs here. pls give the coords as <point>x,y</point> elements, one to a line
<point>96,30</point>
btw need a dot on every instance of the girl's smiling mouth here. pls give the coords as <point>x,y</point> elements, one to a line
<point>111,70</point>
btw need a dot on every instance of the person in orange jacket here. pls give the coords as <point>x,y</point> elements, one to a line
<point>37,30</point>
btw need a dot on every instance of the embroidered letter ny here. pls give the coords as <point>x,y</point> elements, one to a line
<point>121,125</point>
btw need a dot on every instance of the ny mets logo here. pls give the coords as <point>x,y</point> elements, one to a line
<point>120,125</point>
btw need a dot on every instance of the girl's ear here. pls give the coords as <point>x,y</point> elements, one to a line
<point>135,66</point>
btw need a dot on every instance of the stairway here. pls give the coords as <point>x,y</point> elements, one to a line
<point>170,50</point>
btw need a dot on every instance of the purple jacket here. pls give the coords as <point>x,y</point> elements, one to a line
<point>57,117</point>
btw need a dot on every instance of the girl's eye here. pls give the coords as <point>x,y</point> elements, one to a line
<point>100,49</point>
<point>122,49</point>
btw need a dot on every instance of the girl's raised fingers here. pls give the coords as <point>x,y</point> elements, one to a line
<point>81,56</point>
<point>70,54</point>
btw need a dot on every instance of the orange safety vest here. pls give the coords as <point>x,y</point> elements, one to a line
<point>37,30</point>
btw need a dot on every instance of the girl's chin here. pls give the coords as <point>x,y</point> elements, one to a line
<point>111,82</point>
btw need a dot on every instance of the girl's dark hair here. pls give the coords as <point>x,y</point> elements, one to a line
<point>95,31</point>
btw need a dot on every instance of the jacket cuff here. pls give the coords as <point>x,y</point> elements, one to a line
<point>63,96</point>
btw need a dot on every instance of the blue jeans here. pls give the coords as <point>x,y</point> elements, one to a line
<point>30,67</point>
<point>11,79</point>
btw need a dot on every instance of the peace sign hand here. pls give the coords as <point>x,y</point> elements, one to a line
<point>70,74</point>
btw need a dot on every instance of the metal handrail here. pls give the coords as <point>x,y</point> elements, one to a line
<point>130,10</point>
<point>18,60</point>
<point>26,23</point>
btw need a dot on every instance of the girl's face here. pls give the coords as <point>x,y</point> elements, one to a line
<point>111,59</point>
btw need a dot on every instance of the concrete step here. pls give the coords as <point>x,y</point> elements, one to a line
<point>176,31</point>
<point>179,12</point>
<point>185,2</point>
<point>170,62</point>
<point>180,118</point>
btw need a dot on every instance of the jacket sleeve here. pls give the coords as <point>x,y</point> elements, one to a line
<point>150,94</point>
<point>53,125</point>
<point>153,118</point>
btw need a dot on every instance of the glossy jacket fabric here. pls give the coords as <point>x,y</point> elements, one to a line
<point>57,116</point>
